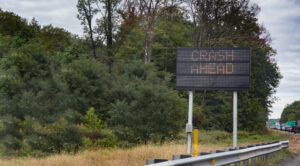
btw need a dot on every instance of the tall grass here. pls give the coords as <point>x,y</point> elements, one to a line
<point>217,137</point>
<point>136,156</point>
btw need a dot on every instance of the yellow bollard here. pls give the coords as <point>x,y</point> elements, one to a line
<point>213,161</point>
<point>195,142</point>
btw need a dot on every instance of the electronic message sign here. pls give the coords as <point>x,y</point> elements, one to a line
<point>213,68</point>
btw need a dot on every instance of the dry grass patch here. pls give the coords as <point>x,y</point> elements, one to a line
<point>137,156</point>
<point>294,144</point>
<point>109,157</point>
<point>294,141</point>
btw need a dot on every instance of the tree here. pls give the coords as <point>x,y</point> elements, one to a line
<point>36,106</point>
<point>291,112</point>
<point>144,107</point>
<point>88,80</point>
<point>86,12</point>
<point>217,20</point>
<point>171,32</point>
<point>107,25</point>
<point>148,13</point>
<point>54,39</point>
<point>131,44</point>
<point>13,25</point>
<point>219,23</point>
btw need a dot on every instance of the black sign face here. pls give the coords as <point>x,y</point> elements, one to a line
<point>213,68</point>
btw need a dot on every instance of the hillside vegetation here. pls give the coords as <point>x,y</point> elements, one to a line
<point>115,86</point>
<point>291,112</point>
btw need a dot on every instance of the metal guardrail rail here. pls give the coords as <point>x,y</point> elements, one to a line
<point>242,154</point>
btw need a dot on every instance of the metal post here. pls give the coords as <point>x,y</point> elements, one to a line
<point>196,142</point>
<point>189,125</point>
<point>237,164</point>
<point>246,162</point>
<point>259,159</point>
<point>253,161</point>
<point>235,119</point>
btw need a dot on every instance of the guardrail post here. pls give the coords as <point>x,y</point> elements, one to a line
<point>153,161</point>
<point>246,162</point>
<point>203,153</point>
<point>259,159</point>
<point>180,156</point>
<point>253,161</point>
<point>272,155</point>
<point>237,164</point>
<point>213,151</point>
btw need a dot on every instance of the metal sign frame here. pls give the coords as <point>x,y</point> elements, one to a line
<point>211,57</point>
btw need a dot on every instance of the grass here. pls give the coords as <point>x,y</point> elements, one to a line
<point>136,156</point>
<point>294,144</point>
<point>278,157</point>
<point>294,149</point>
<point>224,138</point>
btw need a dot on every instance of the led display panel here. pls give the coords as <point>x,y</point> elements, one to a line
<point>225,68</point>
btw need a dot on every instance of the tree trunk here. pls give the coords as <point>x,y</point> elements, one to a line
<point>88,17</point>
<point>148,46</point>
<point>149,36</point>
<point>92,40</point>
<point>109,37</point>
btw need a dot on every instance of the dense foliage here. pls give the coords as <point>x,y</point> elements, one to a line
<point>145,108</point>
<point>59,92</point>
<point>291,112</point>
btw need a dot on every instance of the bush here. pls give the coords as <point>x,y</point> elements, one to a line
<point>95,133</point>
<point>88,81</point>
<point>145,108</point>
<point>91,120</point>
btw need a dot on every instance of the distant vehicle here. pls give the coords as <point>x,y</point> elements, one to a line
<point>293,129</point>
<point>296,129</point>
<point>277,126</point>
<point>287,129</point>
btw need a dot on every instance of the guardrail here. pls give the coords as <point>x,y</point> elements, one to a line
<point>257,152</point>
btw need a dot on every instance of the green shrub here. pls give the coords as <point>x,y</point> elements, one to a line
<point>144,107</point>
<point>91,120</point>
<point>95,133</point>
<point>88,81</point>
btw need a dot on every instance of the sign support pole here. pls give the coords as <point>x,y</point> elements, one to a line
<point>189,125</point>
<point>235,119</point>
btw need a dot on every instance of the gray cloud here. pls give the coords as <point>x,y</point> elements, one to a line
<point>60,13</point>
<point>282,20</point>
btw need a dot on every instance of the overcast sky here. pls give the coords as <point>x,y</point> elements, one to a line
<point>280,17</point>
<point>282,20</point>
